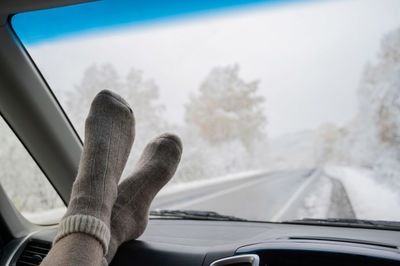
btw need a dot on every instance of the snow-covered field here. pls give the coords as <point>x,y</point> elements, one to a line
<point>369,198</point>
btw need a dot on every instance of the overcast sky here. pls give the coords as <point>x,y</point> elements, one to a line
<point>308,56</point>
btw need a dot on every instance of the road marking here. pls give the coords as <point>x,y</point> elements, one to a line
<point>277,217</point>
<point>213,195</point>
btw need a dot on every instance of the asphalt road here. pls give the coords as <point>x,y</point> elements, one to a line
<point>268,197</point>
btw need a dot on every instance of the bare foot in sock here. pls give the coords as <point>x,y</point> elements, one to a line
<point>154,169</point>
<point>109,134</point>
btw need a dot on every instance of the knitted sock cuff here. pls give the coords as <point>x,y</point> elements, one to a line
<point>85,224</point>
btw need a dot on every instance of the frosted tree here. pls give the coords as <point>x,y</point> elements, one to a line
<point>77,101</point>
<point>379,93</point>
<point>325,143</point>
<point>389,107</point>
<point>373,137</point>
<point>141,94</point>
<point>227,108</point>
<point>21,178</point>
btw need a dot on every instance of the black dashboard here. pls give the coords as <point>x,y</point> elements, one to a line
<point>216,243</point>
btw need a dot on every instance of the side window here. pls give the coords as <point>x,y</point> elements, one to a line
<point>25,184</point>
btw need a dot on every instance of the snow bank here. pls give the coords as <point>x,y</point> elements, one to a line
<point>370,199</point>
<point>317,203</point>
<point>175,188</point>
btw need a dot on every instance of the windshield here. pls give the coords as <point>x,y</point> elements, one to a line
<point>286,109</point>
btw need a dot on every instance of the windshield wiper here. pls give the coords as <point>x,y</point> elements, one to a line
<point>348,222</point>
<point>194,215</point>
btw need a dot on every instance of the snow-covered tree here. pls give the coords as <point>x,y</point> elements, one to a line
<point>379,95</point>
<point>77,101</point>
<point>378,121</point>
<point>379,91</point>
<point>143,97</point>
<point>325,142</point>
<point>141,94</point>
<point>21,178</point>
<point>372,139</point>
<point>227,108</point>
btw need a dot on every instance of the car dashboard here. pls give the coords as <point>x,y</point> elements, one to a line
<point>217,243</point>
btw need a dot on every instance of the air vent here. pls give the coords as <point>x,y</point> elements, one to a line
<point>34,253</point>
<point>241,260</point>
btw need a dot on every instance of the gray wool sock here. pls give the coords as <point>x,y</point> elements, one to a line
<point>109,134</point>
<point>154,169</point>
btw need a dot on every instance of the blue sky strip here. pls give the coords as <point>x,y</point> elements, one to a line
<point>44,25</point>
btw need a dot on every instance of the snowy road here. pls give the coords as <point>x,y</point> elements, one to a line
<point>270,197</point>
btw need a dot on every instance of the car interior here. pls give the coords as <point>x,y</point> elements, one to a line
<point>34,114</point>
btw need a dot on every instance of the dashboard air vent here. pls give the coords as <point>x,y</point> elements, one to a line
<point>240,260</point>
<point>34,253</point>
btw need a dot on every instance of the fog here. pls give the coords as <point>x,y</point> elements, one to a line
<point>307,56</point>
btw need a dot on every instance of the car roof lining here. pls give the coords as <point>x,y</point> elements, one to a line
<point>10,7</point>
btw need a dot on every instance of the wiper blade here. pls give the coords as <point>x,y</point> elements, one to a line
<point>194,215</point>
<point>348,222</point>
